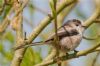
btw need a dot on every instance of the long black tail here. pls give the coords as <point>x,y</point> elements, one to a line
<point>32,44</point>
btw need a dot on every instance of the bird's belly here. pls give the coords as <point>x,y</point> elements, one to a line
<point>70,43</point>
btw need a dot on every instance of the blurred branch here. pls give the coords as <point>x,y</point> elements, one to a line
<point>5,22</point>
<point>95,60</point>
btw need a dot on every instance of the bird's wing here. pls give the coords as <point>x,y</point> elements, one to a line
<point>63,33</point>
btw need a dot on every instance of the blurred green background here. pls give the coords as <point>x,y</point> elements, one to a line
<point>33,13</point>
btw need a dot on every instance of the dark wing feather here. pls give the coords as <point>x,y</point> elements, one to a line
<point>63,33</point>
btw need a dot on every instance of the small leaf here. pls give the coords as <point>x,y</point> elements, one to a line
<point>1,47</point>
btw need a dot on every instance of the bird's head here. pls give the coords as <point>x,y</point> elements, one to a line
<point>74,23</point>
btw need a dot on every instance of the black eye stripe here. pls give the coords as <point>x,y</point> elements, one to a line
<point>77,21</point>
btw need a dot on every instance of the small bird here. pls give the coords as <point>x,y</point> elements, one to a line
<point>69,34</point>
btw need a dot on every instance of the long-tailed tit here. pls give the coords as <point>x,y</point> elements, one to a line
<point>69,34</point>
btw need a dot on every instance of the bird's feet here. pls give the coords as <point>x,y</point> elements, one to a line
<point>75,52</point>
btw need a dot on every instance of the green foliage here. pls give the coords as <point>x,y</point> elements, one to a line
<point>6,11</point>
<point>31,58</point>
<point>1,2</point>
<point>5,55</point>
<point>8,56</point>
<point>9,36</point>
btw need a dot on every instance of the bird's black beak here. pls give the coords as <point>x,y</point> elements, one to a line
<point>84,26</point>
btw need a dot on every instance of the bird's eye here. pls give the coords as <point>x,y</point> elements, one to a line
<point>77,25</point>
